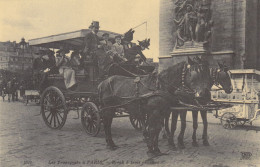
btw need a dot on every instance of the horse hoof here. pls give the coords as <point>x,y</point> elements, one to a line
<point>150,154</point>
<point>145,140</point>
<point>181,145</point>
<point>164,136</point>
<point>195,144</point>
<point>173,147</point>
<point>112,148</point>
<point>205,143</point>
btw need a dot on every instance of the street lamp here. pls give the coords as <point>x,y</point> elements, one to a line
<point>22,46</point>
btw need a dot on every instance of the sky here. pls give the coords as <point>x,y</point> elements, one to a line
<point>39,18</point>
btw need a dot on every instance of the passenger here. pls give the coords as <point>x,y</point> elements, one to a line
<point>40,64</point>
<point>52,62</point>
<point>62,62</point>
<point>118,50</point>
<point>128,37</point>
<point>106,44</point>
<point>40,69</point>
<point>75,60</point>
<point>135,55</point>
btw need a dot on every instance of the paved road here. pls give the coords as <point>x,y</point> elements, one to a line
<point>26,141</point>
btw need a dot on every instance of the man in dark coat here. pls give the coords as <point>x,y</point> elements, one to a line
<point>40,69</point>
<point>135,52</point>
<point>91,42</point>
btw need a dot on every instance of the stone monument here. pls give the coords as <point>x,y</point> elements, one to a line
<point>193,29</point>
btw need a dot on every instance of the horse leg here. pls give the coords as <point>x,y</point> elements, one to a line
<point>153,124</point>
<point>183,127</point>
<point>175,115</point>
<point>107,121</point>
<point>156,138</point>
<point>205,127</point>
<point>195,127</point>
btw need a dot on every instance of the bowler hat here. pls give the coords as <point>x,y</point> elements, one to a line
<point>94,24</point>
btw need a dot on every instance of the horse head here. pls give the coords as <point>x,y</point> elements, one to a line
<point>197,77</point>
<point>222,78</point>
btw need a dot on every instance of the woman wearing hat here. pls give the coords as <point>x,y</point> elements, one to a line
<point>62,62</point>
<point>135,55</point>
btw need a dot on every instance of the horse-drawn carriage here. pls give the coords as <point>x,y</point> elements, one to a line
<point>146,98</point>
<point>245,99</point>
<point>56,101</point>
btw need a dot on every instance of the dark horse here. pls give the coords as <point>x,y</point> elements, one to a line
<point>139,96</point>
<point>218,76</point>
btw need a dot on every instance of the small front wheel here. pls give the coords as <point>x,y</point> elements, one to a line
<point>228,120</point>
<point>90,118</point>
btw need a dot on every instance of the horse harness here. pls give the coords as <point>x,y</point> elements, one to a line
<point>214,73</point>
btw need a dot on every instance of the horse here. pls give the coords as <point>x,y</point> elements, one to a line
<point>148,95</point>
<point>218,76</point>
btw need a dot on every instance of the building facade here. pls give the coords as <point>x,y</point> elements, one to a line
<point>15,57</point>
<point>235,32</point>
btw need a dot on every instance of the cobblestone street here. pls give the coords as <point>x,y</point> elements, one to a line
<point>26,141</point>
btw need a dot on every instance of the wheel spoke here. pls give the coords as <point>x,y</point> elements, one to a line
<point>60,116</point>
<point>51,118</point>
<point>48,116</point>
<point>54,118</point>
<point>57,119</point>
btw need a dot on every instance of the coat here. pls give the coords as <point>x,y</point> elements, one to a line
<point>131,53</point>
<point>107,45</point>
<point>40,64</point>
<point>118,49</point>
<point>91,43</point>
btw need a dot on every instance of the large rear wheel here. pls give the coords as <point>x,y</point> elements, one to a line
<point>53,108</point>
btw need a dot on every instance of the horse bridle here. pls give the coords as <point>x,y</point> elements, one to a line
<point>214,73</point>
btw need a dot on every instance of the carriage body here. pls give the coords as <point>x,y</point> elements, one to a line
<point>58,101</point>
<point>244,98</point>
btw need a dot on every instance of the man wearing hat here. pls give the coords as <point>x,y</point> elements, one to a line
<point>41,62</point>
<point>91,42</point>
<point>135,53</point>
<point>106,44</point>
<point>40,68</point>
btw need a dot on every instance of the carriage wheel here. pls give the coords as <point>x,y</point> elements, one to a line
<point>90,118</point>
<point>136,122</point>
<point>53,108</point>
<point>228,121</point>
